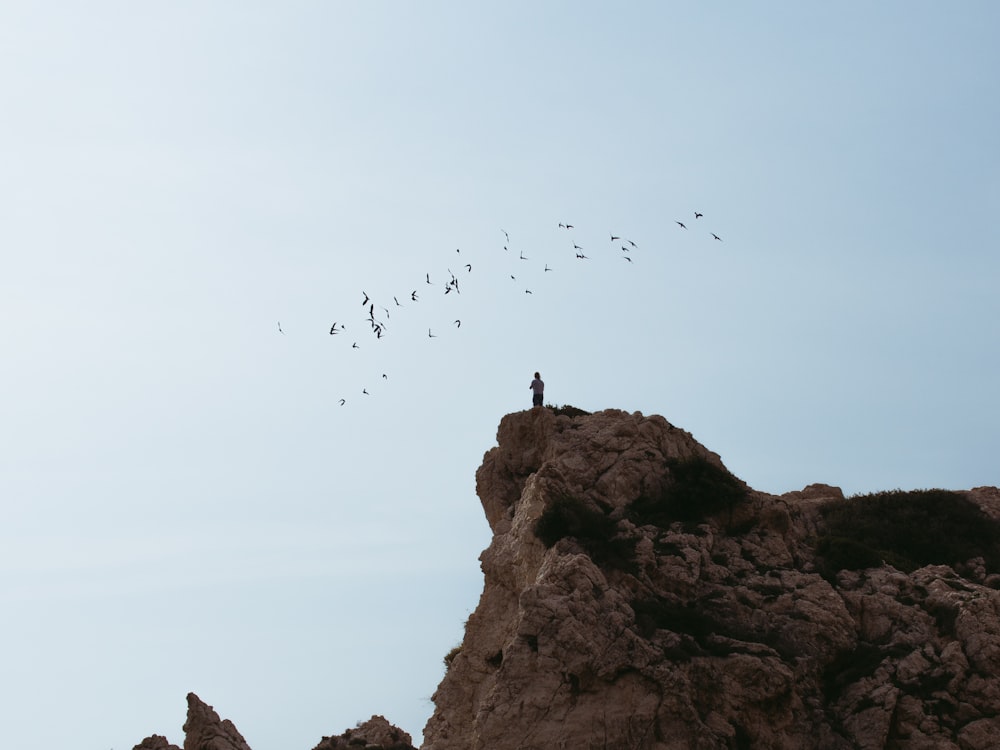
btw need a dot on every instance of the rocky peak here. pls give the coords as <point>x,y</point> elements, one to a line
<point>638,596</point>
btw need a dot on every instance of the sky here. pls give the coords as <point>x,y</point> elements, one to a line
<point>194,193</point>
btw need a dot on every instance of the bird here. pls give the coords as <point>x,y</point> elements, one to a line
<point>458,324</point>
<point>413,295</point>
<point>582,256</point>
<point>365,391</point>
<point>468,266</point>
<point>507,236</point>
<point>384,376</point>
<point>716,236</point>
<point>615,239</point>
<point>528,291</point>
<point>365,300</point>
<point>428,278</point>
<point>681,225</point>
<point>279,328</point>
<point>430,335</point>
<point>698,215</point>
<point>627,258</point>
<point>577,247</point>
<point>333,329</point>
<point>355,345</point>
<point>565,226</point>
<point>397,302</point>
<point>631,243</point>
<point>547,267</point>
<point>522,256</point>
<point>343,401</point>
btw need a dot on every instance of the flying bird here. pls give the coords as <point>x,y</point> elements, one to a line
<point>582,256</point>
<point>413,295</point>
<point>565,226</point>
<point>365,300</point>
<point>716,236</point>
<point>681,225</point>
<point>342,402</point>
<point>365,391</point>
<point>355,345</point>
<point>397,302</point>
<point>528,291</point>
<point>428,278</point>
<point>430,335</point>
<point>615,239</point>
<point>522,256</point>
<point>547,267</point>
<point>333,329</point>
<point>469,267</point>
<point>279,328</point>
<point>458,324</point>
<point>627,258</point>
<point>698,215</point>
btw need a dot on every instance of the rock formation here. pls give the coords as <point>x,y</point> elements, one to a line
<point>638,596</point>
<point>718,632</point>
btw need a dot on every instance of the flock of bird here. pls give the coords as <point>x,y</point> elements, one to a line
<point>375,321</point>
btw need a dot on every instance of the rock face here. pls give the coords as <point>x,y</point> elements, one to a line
<point>719,632</point>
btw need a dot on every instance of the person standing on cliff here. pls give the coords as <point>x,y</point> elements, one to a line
<point>538,389</point>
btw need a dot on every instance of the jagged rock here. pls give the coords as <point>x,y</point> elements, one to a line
<point>718,633</point>
<point>155,742</point>
<point>375,734</point>
<point>204,730</point>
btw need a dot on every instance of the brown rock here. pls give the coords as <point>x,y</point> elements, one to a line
<point>711,634</point>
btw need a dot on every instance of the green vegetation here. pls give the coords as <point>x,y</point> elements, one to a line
<point>567,410</point>
<point>907,530</point>
<point>694,489</point>
<point>567,516</point>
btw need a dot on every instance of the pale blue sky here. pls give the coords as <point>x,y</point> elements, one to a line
<point>186,505</point>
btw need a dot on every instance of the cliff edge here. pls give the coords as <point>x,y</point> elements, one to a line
<point>638,596</point>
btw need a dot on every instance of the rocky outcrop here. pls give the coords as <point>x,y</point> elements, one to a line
<point>637,596</point>
<point>204,730</point>
<point>708,633</point>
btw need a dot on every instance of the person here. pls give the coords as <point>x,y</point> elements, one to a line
<point>537,388</point>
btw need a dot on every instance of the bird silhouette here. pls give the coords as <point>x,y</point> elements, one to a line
<point>333,329</point>
<point>582,256</point>
<point>469,267</point>
<point>355,345</point>
<point>428,278</point>
<point>716,236</point>
<point>279,328</point>
<point>343,401</point>
<point>547,267</point>
<point>522,256</point>
<point>430,335</point>
<point>413,295</point>
<point>365,300</point>
<point>698,215</point>
<point>681,225</point>
<point>627,258</point>
<point>458,324</point>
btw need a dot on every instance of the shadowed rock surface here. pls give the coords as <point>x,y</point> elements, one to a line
<point>637,595</point>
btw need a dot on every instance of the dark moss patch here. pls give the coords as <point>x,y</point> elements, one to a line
<point>592,528</point>
<point>693,489</point>
<point>907,530</point>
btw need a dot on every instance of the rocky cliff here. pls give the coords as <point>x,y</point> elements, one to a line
<point>637,595</point>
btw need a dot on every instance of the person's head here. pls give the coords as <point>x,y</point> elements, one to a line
<point>538,376</point>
